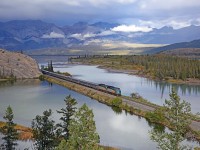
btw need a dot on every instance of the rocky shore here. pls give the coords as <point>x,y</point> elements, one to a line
<point>17,65</point>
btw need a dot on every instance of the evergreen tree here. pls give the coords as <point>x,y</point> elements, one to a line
<point>67,114</point>
<point>62,145</point>
<point>44,131</point>
<point>179,116</point>
<point>9,131</point>
<point>82,130</point>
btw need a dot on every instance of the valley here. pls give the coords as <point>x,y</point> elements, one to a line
<point>100,75</point>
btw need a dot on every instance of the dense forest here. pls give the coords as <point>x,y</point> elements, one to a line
<point>162,66</point>
<point>154,66</point>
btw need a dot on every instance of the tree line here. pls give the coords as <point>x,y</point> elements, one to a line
<point>163,66</point>
<point>76,130</point>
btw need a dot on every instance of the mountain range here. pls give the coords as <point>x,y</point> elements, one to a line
<point>36,34</point>
<point>195,44</point>
<point>183,49</point>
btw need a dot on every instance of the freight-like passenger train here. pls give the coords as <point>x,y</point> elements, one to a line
<point>100,87</point>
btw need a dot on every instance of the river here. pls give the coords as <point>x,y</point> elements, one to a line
<point>154,91</point>
<point>29,98</point>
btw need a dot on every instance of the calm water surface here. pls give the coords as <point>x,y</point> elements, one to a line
<point>153,91</point>
<point>31,98</point>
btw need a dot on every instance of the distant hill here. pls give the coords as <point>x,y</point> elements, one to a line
<point>185,52</point>
<point>37,34</point>
<point>183,45</point>
<point>168,35</point>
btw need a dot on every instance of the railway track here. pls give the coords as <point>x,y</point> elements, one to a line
<point>100,87</point>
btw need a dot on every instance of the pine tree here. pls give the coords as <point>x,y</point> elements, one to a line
<point>44,131</point>
<point>82,129</point>
<point>179,117</point>
<point>62,145</point>
<point>9,131</point>
<point>67,114</point>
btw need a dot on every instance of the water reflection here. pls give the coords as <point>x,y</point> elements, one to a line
<point>156,127</point>
<point>32,97</point>
<point>183,88</point>
<point>117,110</point>
<point>153,91</point>
<point>29,99</point>
<point>168,140</point>
<point>178,114</point>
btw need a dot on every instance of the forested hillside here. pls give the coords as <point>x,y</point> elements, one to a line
<point>163,67</point>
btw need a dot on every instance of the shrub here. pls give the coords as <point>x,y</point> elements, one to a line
<point>117,101</point>
<point>41,77</point>
<point>156,116</point>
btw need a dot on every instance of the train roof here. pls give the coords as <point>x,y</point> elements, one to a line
<point>109,86</point>
<point>101,84</point>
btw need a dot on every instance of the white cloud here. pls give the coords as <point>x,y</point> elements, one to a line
<point>53,35</point>
<point>99,3</point>
<point>53,2</point>
<point>90,35</point>
<point>176,23</point>
<point>126,1</point>
<point>105,33</point>
<point>167,5</point>
<point>65,12</point>
<point>131,28</point>
<point>82,36</point>
<point>77,36</point>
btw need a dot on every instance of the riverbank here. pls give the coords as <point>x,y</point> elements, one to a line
<point>189,81</point>
<point>4,80</point>
<point>25,133</point>
<point>139,107</point>
<point>7,80</point>
<point>122,64</point>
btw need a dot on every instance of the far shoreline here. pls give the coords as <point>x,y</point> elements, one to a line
<point>188,81</point>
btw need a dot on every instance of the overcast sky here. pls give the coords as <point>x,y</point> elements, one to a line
<point>145,13</point>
